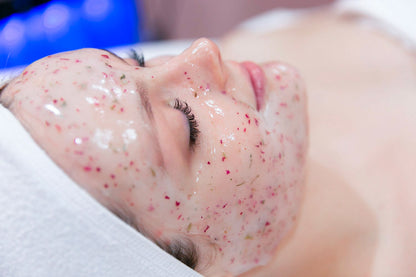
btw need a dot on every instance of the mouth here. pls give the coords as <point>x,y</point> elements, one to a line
<point>257,79</point>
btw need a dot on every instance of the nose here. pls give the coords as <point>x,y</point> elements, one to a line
<point>203,57</point>
<point>204,52</point>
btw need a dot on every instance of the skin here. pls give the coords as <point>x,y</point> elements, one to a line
<point>358,216</point>
<point>111,126</point>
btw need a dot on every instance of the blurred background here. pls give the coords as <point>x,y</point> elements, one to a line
<point>32,29</point>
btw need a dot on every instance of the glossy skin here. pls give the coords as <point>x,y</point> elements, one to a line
<point>235,193</point>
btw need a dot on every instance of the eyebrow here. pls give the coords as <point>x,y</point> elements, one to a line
<point>149,112</point>
<point>142,92</point>
<point>146,104</point>
<point>150,116</point>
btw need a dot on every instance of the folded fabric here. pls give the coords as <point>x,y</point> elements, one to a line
<point>49,226</point>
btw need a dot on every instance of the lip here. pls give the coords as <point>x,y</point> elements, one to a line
<point>257,79</point>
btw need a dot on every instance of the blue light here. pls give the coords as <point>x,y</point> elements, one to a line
<point>56,19</point>
<point>66,25</point>
<point>13,34</point>
<point>96,10</point>
<point>34,27</point>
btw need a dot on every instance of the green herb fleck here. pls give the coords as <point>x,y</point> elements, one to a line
<point>240,184</point>
<point>255,178</point>
<point>188,229</point>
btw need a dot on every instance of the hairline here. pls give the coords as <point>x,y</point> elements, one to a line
<point>183,249</point>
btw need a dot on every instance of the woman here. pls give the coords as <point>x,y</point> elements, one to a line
<point>208,157</point>
<point>192,137</point>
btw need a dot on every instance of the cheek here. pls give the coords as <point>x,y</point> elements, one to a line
<point>231,141</point>
<point>234,161</point>
<point>244,203</point>
<point>248,181</point>
<point>286,96</point>
<point>286,112</point>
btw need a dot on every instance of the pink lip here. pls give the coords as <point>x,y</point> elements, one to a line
<point>257,79</point>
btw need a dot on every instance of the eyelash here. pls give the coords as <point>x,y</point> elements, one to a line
<point>138,57</point>
<point>193,124</point>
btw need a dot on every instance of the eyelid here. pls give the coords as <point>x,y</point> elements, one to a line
<point>192,122</point>
<point>139,58</point>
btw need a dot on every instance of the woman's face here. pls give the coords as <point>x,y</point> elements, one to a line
<point>190,146</point>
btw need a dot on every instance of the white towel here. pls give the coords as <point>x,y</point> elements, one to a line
<point>51,227</point>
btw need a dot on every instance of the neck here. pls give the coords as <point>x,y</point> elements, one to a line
<point>336,232</point>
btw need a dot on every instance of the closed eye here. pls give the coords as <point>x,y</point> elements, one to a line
<point>138,57</point>
<point>193,123</point>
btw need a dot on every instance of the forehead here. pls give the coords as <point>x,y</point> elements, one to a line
<point>83,58</point>
<point>62,68</point>
<point>86,54</point>
<point>85,89</point>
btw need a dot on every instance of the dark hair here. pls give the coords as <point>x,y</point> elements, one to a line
<point>182,248</point>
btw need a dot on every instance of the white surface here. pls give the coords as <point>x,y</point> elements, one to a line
<point>395,17</point>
